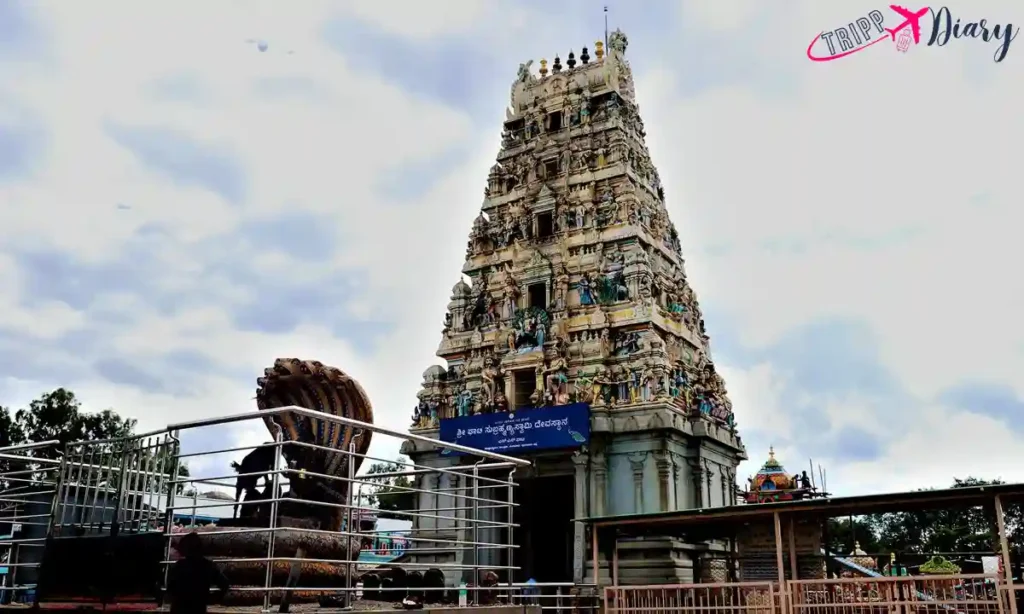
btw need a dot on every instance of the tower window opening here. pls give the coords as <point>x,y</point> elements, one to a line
<point>555,121</point>
<point>538,294</point>
<point>524,382</point>
<point>551,168</point>
<point>516,128</point>
<point>545,225</point>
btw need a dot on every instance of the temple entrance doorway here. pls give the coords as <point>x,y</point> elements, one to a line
<point>544,535</point>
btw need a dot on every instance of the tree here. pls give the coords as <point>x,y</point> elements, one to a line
<point>391,493</point>
<point>845,533</point>
<point>948,530</point>
<point>57,416</point>
<point>10,435</point>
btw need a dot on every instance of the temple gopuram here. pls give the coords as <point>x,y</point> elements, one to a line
<point>574,338</point>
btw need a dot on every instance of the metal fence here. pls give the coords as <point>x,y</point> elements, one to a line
<point>710,598</point>
<point>28,481</point>
<point>953,594</point>
<point>453,516</point>
<point>560,597</point>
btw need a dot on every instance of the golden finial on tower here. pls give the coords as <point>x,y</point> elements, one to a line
<point>543,68</point>
<point>599,50</point>
<point>771,452</point>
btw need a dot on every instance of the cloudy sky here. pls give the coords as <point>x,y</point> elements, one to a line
<point>178,208</point>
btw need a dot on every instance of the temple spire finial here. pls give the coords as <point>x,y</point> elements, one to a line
<point>771,452</point>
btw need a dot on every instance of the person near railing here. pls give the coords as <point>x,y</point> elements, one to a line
<point>192,577</point>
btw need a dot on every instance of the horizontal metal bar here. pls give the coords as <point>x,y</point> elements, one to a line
<point>292,559</point>
<point>187,506</point>
<point>29,446</point>
<point>23,501</point>
<point>371,483</point>
<point>343,534</point>
<point>309,413</point>
<point>29,459</point>
<point>27,540</point>
<point>190,480</point>
<point>455,470</point>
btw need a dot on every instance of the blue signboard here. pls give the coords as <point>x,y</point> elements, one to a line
<point>525,430</point>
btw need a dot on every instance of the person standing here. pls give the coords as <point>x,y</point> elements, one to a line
<point>192,577</point>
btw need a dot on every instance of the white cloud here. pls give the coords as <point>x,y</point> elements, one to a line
<point>884,182</point>
<point>879,187</point>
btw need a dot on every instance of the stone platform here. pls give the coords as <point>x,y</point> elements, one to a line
<point>231,542</point>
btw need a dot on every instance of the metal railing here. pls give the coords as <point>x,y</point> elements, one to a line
<point>28,481</point>
<point>952,594</point>
<point>710,598</point>
<point>114,486</point>
<point>459,518</point>
<point>560,597</point>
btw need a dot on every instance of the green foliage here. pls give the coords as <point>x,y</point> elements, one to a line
<point>390,493</point>
<point>939,566</point>
<point>57,415</point>
<point>929,531</point>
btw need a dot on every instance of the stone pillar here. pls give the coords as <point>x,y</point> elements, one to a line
<point>697,475</point>
<point>510,389</point>
<point>599,484</point>
<point>664,465</point>
<point>709,475</point>
<point>677,476</point>
<point>636,462</point>
<point>579,549</point>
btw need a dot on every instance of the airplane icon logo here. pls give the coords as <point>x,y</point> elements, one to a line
<point>911,18</point>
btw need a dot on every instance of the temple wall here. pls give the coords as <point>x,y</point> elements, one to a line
<point>758,557</point>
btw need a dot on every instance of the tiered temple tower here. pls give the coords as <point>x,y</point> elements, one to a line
<point>577,292</point>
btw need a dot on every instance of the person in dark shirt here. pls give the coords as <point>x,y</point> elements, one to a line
<point>191,578</point>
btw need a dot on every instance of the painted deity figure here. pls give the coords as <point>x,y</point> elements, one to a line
<point>634,385</point>
<point>585,290</point>
<point>524,72</point>
<point>648,377</point>
<point>602,387</point>
<point>556,382</point>
<point>489,374</point>
<point>465,403</point>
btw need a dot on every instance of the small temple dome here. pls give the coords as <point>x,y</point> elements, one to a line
<point>461,289</point>
<point>434,373</point>
<point>772,476</point>
<point>861,558</point>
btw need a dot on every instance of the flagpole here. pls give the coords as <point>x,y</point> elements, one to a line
<point>606,28</point>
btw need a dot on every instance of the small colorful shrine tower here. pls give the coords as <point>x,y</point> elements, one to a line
<point>772,483</point>
<point>756,541</point>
